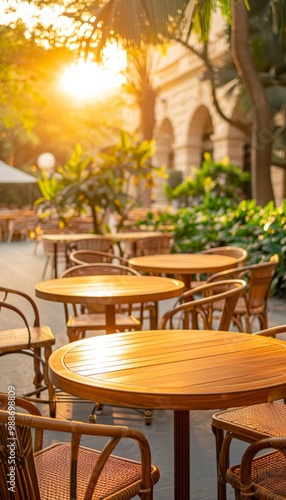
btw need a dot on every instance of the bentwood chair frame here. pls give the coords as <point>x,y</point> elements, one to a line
<point>78,257</point>
<point>253,304</point>
<point>69,469</point>
<point>191,311</point>
<point>261,477</point>
<point>82,318</point>
<point>28,338</point>
<point>239,254</point>
<point>248,424</point>
<point>153,245</point>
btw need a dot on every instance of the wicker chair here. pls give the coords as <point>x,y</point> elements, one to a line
<point>239,254</point>
<point>190,312</point>
<point>253,304</point>
<point>102,244</point>
<point>67,470</point>
<point>153,245</point>
<point>249,424</point>
<point>262,477</point>
<point>78,257</point>
<point>25,335</point>
<point>82,319</point>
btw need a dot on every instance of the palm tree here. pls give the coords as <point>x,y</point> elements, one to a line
<point>131,21</point>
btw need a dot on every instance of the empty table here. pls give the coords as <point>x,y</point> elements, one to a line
<point>180,370</point>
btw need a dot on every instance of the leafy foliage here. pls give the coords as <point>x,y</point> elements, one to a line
<point>260,230</point>
<point>110,183</point>
<point>214,180</point>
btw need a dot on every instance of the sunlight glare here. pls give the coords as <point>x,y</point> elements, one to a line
<point>85,80</point>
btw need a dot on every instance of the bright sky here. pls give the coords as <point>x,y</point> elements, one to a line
<point>81,80</point>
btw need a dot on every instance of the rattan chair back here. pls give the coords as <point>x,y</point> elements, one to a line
<point>197,313</point>
<point>78,257</point>
<point>22,333</point>
<point>68,470</point>
<point>248,423</point>
<point>153,245</point>
<point>253,305</point>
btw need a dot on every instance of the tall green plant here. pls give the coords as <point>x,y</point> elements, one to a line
<point>208,184</point>
<point>101,185</point>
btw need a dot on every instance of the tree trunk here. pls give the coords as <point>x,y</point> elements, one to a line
<point>147,109</point>
<point>262,132</point>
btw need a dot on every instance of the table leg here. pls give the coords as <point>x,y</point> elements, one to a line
<point>56,259</point>
<point>110,318</point>
<point>182,455</point>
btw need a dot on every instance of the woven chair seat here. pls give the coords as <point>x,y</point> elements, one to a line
<point>248,423</point>
<point>57,457</point>
<point>268,477</point>
<point>18,338</point>
<point>98,321</point>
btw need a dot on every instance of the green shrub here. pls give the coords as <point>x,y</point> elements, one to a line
<point>261,231</point>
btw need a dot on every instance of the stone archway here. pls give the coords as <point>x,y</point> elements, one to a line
<point>199,136</point>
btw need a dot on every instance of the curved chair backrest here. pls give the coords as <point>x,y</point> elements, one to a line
<point>97,269</point>
<point>100,243</point>
<point>21,303</point>
<point>272,331</point>
<point>258,276</point>
<point>30,470</point>
<point>240,254</point>
<point>190,309</point>
<point>95,256</point>
<point>152,245</point>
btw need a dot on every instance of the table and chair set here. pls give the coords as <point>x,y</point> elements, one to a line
<point>186,360</point>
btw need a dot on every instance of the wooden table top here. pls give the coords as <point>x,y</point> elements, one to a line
<point>69,237</point>
<point>183,263</point>
<point>125,236</point>
<point>177,369</point>
<point>109,289</point>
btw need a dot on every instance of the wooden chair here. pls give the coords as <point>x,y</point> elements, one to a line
<point>261,477</point>
<point>25,335</point>
<point>253,304</point>
<point>83,319</point>
<point>67,470</point>
<point>78,257</point>
<point>248,423</point>
<point>239,254</point>
<point>100,243</point>
<point>153,245</point>
<point>190,312</point>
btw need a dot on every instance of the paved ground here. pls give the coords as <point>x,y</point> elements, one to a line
<point>22,268</point>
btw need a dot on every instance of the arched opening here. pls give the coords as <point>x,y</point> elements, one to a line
<point>199,136</point>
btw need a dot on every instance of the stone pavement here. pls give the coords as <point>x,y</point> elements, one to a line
<point>22,268</point>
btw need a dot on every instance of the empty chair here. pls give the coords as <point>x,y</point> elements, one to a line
<point>78,257</point>
<point>68,470</point>
<point>253,304</point>
<point>153,245</point>
<point>83,319</point>
<point>239,254</point>
<point>190,312</point>
<point>99,243</point>
<point>261,477</point>
<point>22,333</point>
<point>248,423</point>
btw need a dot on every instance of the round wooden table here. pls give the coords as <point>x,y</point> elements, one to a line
<point>130,237</point>
<point>109,290</point>
<point>180,370</point>
<point>182,264</point>
<point>66,238</point>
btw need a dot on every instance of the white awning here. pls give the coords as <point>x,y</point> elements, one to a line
<point>12,175</point>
